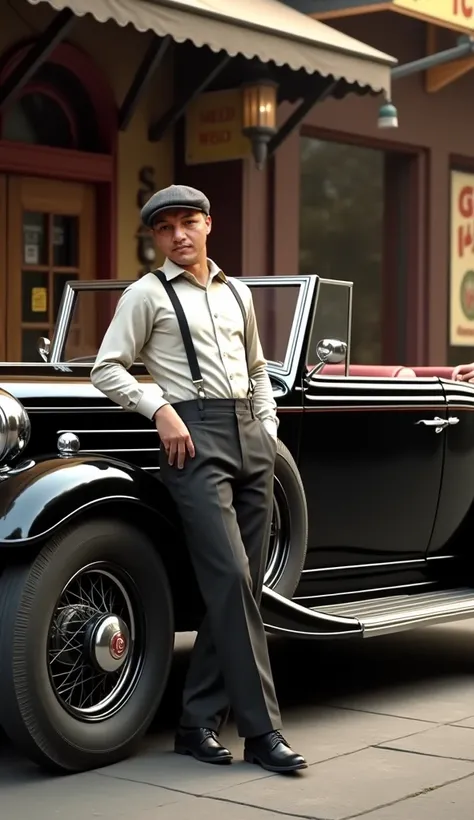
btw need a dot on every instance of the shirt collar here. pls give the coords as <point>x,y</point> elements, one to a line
<point>172,271</point>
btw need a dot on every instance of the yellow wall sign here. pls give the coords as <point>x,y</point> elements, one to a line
<point>214,128</point>
<point>455,14</point>
<point>39,300</point>
<point>461,273</point>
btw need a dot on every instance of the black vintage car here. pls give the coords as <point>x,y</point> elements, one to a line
<point>372,525</point>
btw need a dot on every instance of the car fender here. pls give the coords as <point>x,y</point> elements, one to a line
<point>36,501</point>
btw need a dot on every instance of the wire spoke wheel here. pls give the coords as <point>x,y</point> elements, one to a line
<point>95,641</point>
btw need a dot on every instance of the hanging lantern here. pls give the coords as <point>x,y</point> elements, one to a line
<point>259,102</point>
<point>388,116</point>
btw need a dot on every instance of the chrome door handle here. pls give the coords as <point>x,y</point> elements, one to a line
<point>438,423</point>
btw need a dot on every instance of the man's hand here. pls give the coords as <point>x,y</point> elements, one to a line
<point>174,435</point>
<point>464,372</point>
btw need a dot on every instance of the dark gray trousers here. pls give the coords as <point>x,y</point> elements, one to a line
<point>224,497</point>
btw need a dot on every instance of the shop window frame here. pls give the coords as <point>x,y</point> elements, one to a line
<point>404,331</point>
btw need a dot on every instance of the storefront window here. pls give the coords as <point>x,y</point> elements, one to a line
<point>341,230</point>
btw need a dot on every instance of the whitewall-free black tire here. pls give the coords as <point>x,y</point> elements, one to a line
<point>289,537</point>
<point>86,642</point>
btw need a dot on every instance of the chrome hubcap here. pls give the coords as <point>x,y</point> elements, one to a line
<point>110,643</point>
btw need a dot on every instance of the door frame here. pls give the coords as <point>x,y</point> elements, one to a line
<point>18,159</point>
<point>3,267</point>
<point>66,165</point>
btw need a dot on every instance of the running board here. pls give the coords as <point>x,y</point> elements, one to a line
<point>369,618</point>
<point>380,616</point>
<point>284,617</point>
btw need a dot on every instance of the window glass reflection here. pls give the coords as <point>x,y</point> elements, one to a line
<point>341,230</point>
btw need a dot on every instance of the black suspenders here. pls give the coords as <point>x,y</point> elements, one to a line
<point>196,374</point>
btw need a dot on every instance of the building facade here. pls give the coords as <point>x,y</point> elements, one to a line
<point>96,106</point>
<point>389,209</point>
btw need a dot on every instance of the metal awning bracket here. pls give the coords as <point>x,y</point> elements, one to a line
<point>36,56</point>
<point>153,58</point>
<point>158,129</point>
<point>298,115</point>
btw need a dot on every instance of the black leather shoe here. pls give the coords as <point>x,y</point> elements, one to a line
<point>201,744</point>
<point>272,752</point>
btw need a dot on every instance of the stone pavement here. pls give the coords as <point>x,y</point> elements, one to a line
<point>387,727</point>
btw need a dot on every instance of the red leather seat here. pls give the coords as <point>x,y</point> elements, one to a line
<point>441,372</point>
<point>381,371</point>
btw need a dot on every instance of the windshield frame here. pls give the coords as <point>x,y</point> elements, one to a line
<point>307,285</point>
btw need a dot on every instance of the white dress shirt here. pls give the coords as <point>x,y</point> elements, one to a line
<point>145,325</point>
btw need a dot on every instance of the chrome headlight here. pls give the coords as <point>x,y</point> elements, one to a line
<point>15,427</point>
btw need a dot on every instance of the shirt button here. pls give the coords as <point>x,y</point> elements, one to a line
<point>215,316</point>
<point>231,376</point>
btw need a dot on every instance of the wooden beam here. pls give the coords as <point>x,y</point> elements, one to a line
<point>158,128</point>
<point>440,76</point>
<point>151,61</point>
<point>36,56</point>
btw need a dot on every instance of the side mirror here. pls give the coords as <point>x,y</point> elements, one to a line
<point>328,351</point>
<point>43,346</point>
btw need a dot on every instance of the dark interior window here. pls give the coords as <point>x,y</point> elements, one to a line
<point>38,119</point>
<point>55,111</point>
<point>341,230</point>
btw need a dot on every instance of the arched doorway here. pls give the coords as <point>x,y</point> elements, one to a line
<point>57,193</point>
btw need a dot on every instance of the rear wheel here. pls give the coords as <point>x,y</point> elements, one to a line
<point>289,534</point>
<point>86,641</point>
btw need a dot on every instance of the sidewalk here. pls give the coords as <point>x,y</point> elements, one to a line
<point>387,727</point>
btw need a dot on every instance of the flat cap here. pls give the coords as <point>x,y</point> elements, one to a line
<point>175,196</point>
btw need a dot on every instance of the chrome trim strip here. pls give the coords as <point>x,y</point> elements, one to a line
<point>101,450</point>
<point>361,592</point>
<point>72,409</point>
<point>151,430</point>
<point>362,408</point>
<point>411,561</point>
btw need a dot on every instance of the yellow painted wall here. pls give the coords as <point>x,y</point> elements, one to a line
<point>117,52</point>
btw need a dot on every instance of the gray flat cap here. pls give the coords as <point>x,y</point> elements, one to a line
<point>175,196</point>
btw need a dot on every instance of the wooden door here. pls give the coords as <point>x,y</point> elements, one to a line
<point>3,267</point>
<point>50,241</point>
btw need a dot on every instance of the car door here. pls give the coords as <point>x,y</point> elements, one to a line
<point>455,514</point>
<point>371,457</point>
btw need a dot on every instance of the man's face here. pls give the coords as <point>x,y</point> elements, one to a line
<point>181,235</point>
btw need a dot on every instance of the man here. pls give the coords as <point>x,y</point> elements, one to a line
<point>212,403</point>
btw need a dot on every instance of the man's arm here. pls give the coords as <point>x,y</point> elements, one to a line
<point>264,403</point>
<point>127,334</point>
<point>464,372</point>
